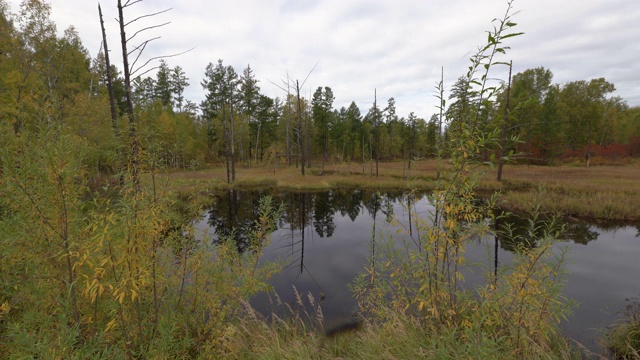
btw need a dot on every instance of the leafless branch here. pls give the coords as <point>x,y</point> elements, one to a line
<point>142,45</point>
<point>141,48</point>
<point>129,3</point>
<point>278,86</point>
<point>147,71</point>
<point>148,15</point>
<point>147,28</point>
<point>159,57</point>
<point>309,74</point>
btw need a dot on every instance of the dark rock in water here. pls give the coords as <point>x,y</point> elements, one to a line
<point>347,326</point>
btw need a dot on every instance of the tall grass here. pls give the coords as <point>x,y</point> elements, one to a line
<point>623,339</point>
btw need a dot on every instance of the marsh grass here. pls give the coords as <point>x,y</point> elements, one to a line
<point>609,193</point>
<point>597,192</point>
<point>623,339</point>
<point>333,176</point>
<point>300,335</point>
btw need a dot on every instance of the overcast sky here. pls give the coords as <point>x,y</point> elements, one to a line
<point>397,47</point>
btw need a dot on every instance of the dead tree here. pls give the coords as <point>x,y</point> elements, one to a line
<point>503,137</point>
<point>108,75</point>
<point>299,129</point>
<point>130,72</point>
<point>299,121</point>
<point>112,97</point>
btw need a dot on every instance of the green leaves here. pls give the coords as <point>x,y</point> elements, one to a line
<point>511,35</point>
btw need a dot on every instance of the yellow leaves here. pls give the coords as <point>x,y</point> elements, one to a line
<point>4,309</point>
<point>119,296</point>
<point>450,224</point>
<point>111,325</point>
<point>93,290</point>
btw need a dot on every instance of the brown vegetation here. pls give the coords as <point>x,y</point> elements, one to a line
<point>598,192</point>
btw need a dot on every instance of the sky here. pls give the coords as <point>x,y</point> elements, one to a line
<point>395,48</point>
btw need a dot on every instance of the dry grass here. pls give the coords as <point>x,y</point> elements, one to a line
<point>391,175</point>
<point>599,192</point>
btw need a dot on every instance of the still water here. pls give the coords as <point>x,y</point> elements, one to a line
<point>325,239</point>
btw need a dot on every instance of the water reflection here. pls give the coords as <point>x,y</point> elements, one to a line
<point>324,239</point>
<point>515,230</point>
<point>238,209</point>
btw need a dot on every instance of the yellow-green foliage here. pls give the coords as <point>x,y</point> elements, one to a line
<point>123,277</point>
<point>44,239</point>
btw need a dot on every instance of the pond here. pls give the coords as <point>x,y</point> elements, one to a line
<point>325,239</point>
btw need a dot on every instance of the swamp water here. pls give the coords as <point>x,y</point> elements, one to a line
<point>324,239</point>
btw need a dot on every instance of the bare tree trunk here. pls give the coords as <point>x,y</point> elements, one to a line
<point>133,136</point>
<point>370,159</point>
<point>307,141</point>
<point>112,97</point>
<point>257,142</point>
<point>503,138</point>
<point>300,129</point>
<point>233,149</point>
<point>226,143</point>
<point>589,143</point>
<point>441,107</point>
<point>411,142</point>
<point>288,122</point>
<point>376,128</point>
<point>363,153</point>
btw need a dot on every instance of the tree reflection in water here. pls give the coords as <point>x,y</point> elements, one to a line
<point>326,238</point>
<point>234,212</point>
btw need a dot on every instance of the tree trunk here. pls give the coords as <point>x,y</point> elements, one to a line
<point>503,138</point>
<point>589,143</point>
<point>133,136</point>
<point>363,153</point>
<point>226,143</point>
<point>112,97</point>
<point>300,133</point>
<point>257,142</point>
<point>233,149</point>
<point>377,128</point>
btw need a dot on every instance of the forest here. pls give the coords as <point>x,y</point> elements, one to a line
<point>98,260</point>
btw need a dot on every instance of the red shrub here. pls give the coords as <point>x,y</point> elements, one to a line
<point>633,147</point>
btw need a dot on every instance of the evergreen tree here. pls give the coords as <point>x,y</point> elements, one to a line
<point>322,105</point>
<point>163,89</point>
<point>179,81</point>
